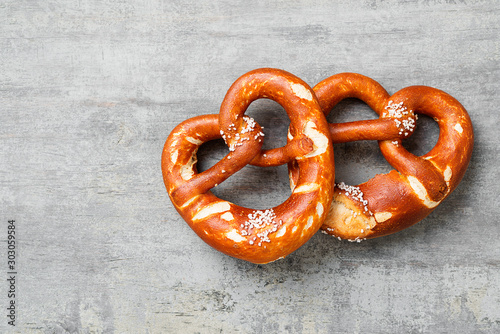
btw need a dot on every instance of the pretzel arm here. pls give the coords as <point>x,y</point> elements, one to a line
<point>299,146</point>
<point>373,129</point>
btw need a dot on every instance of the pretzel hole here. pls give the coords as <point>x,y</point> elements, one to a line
<point>358,162</point>
<point>424,138</point>
<point>263,187</point>
<point>273,117</point>
<point>209,153</point>
<point>349,110</point>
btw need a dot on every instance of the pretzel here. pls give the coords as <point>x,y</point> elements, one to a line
<point>258,236</point>
<point>394,201</point>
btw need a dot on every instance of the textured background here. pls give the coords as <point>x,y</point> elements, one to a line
<point>89,91</point>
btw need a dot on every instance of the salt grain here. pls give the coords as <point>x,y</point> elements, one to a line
<point>398,111</point>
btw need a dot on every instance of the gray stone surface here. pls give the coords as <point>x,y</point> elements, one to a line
<point>89,91</point>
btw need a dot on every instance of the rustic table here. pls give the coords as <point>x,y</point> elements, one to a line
<point>89,92</point>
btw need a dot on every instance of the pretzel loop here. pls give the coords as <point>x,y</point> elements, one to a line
<point>294,96</point>
<point>189,135</point>
<point>258,236</point>
<point>434,175</point>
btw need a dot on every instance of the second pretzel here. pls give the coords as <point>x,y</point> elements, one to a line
<point>385,204</point>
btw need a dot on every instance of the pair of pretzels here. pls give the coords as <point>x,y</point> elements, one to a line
<point>385,204</point>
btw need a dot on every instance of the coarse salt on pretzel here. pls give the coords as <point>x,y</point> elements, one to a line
<point>390,202</point>
<point>258,236</point>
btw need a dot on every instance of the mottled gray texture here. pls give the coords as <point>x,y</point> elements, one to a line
<point>89,91</point>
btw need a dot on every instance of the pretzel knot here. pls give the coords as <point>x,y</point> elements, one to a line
<point>383,205</point>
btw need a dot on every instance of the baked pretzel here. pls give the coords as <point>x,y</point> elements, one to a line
<point>258,236</point>
<point>390,202</point>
